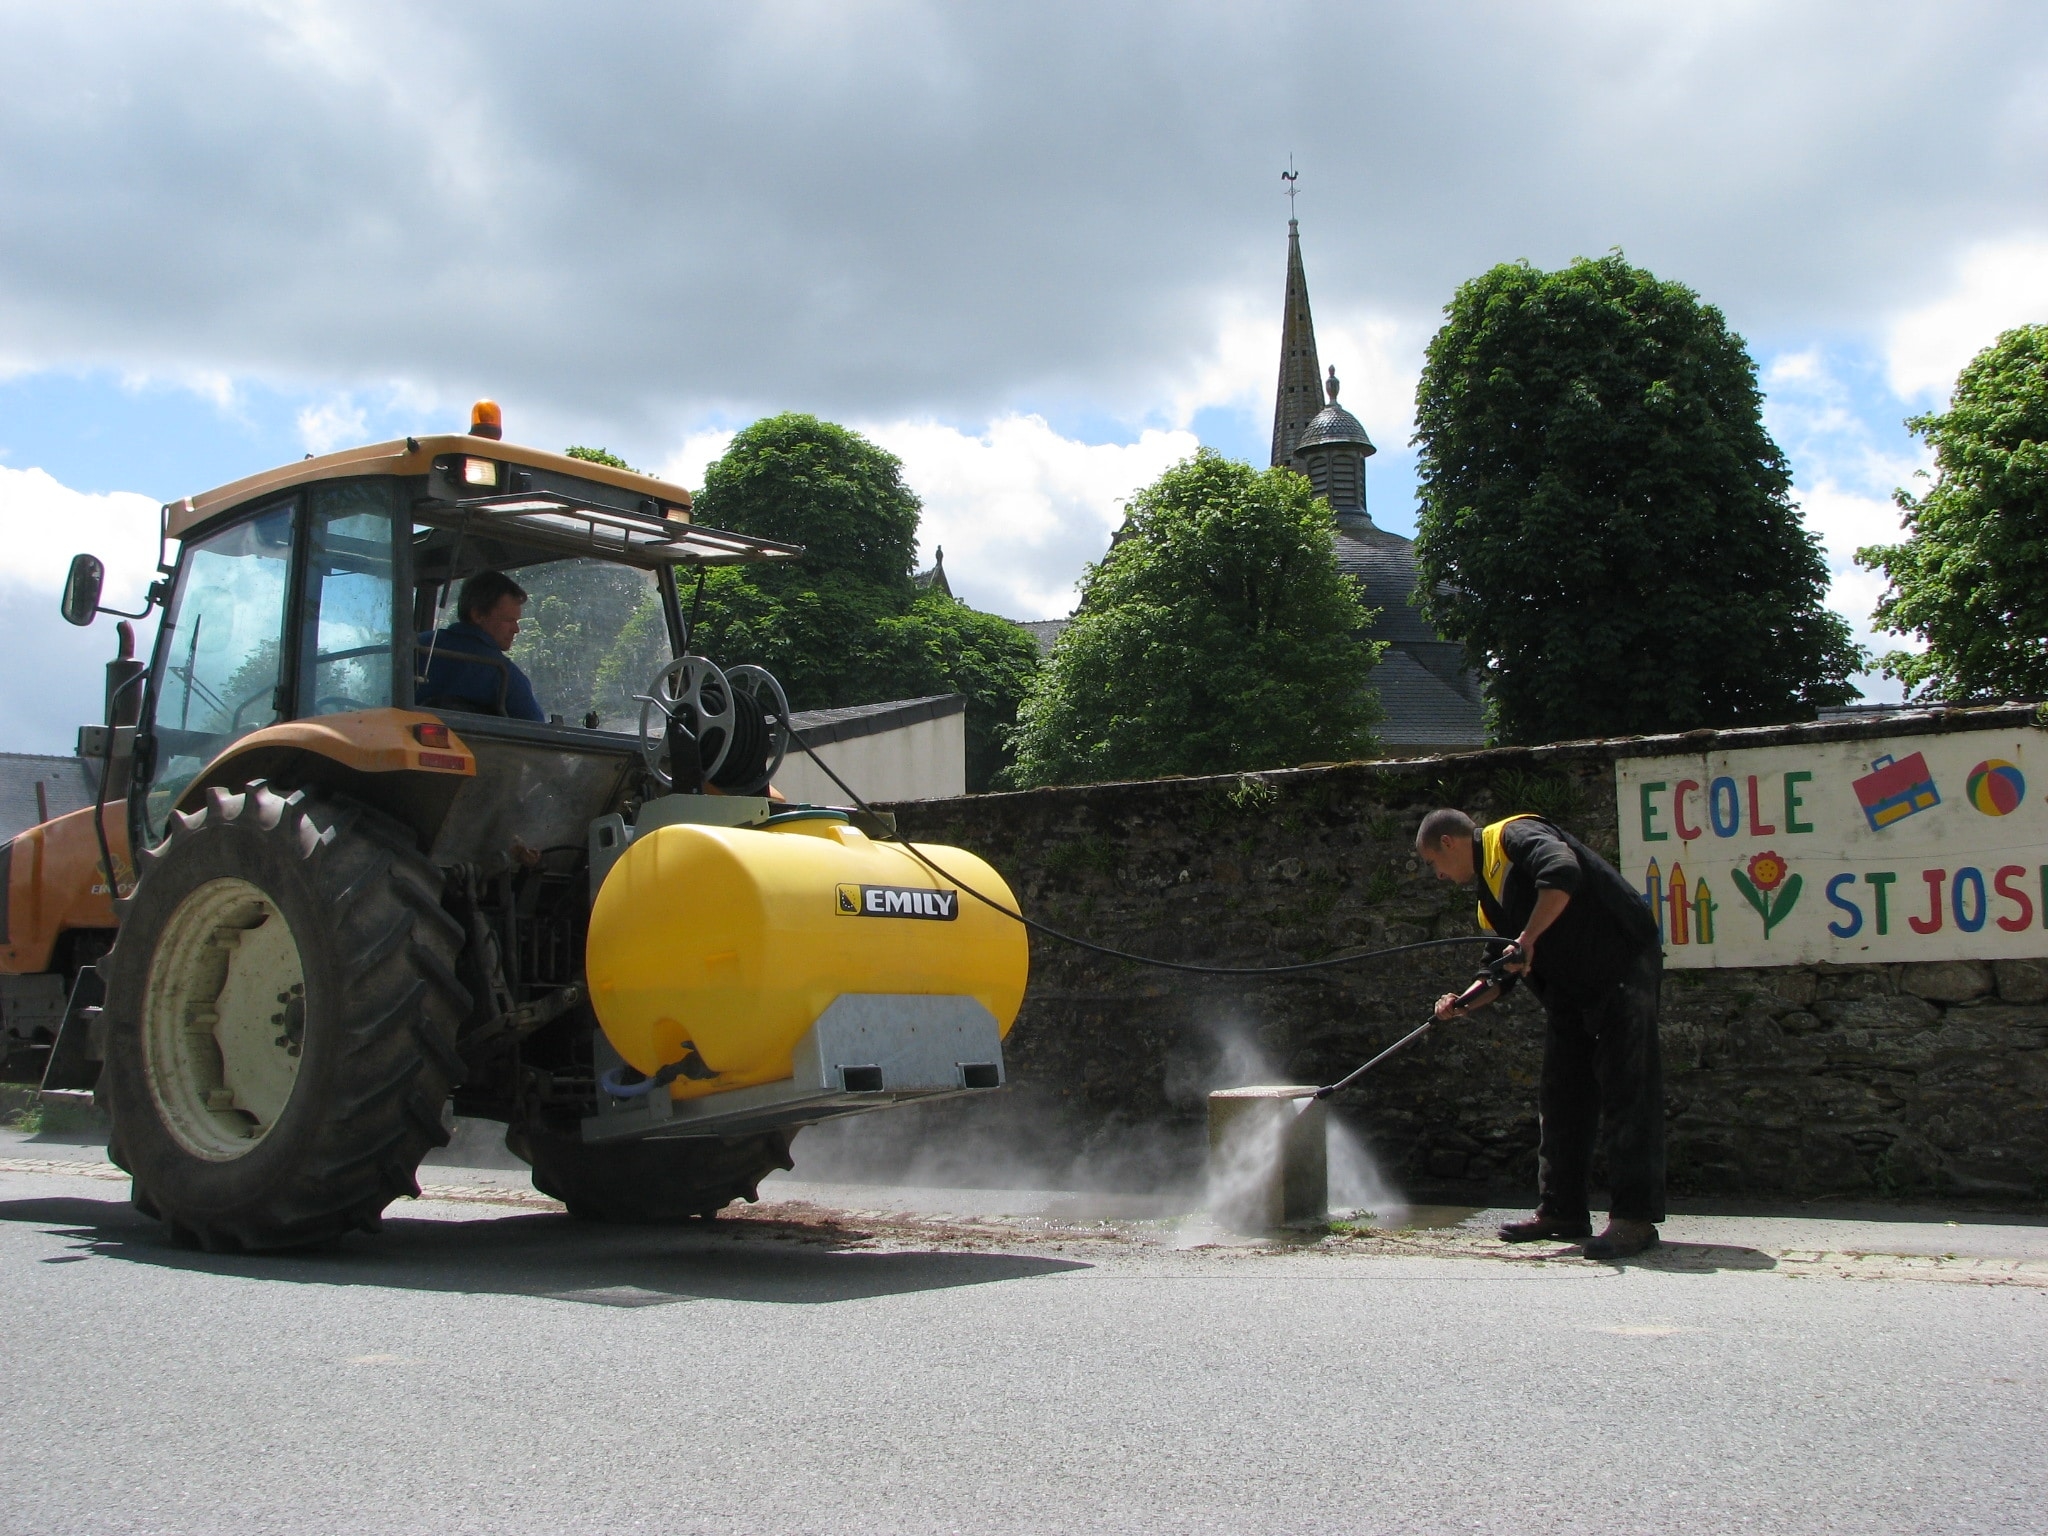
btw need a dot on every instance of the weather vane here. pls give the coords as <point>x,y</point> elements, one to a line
<point>1290,176</point>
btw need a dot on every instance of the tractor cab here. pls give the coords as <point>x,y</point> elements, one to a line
<point>433,805</point>
<point>332,590</point>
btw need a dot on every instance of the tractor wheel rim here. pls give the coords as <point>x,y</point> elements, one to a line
<point>224,1019</point>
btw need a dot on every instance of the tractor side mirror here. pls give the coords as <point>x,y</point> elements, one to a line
<point>82,590</point>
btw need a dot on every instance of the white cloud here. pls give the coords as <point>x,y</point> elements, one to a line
<point>337,424</point>
<point>1020,509</point>
<point>1821,409</point>
<point>686,466</point>
<point>47,523</point>
<point>1996,286</point>
<point>53,680</point>
<point>1378,358</point>
<point>947,210</point>
<point>1846,522</point>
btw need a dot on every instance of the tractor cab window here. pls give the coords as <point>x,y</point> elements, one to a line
<point>591,632</point>
<point>220,644</point>
<point>345,655</point>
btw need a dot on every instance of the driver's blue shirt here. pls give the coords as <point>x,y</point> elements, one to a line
<point>448,676</point>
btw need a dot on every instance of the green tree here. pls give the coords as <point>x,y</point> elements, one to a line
<point>1605,523</point>
<point>810,482</point>
<point>599,456</point>
<point>1216,634</point>
<point>847,624</point>
<point>1971,578</point>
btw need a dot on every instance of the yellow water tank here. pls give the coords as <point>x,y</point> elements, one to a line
<point>736,939</point>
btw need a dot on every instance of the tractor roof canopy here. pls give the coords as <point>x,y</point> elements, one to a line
<point>496,489</point>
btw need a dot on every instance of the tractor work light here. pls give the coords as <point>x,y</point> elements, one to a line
<point>479,472</point>
<point>486,420</point>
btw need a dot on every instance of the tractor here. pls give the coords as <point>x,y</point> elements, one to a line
<point>340,887</point>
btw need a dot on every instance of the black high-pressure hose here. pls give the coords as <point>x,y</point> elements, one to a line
<point>1121,954</point>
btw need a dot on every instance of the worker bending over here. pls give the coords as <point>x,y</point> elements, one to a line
<point>1591,952</point>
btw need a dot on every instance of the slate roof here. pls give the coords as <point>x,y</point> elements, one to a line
<point>822,726</point>
<point>1422,710</point>
<point>1429,698</point>
<point>69,784</point>
<point>1044,631</point>
<point>1383,564</point>
<point>1334,424</point>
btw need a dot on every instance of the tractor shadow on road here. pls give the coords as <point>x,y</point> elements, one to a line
<point>551,1257</point>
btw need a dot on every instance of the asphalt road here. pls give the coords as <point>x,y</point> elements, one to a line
<point>490,1366</point>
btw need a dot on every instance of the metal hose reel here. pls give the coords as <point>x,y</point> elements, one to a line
<point>733,725</point>
<point>760,731</point>
<point>694,702</point>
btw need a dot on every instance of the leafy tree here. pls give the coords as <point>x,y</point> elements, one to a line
<point>1216,634</point>
<point>846,624</point>
<point>1605,524</point>
<point>598,456</point>
<point>1972,576</point>
<point>810,482</point>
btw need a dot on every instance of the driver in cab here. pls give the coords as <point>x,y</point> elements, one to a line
<point>487,611</point>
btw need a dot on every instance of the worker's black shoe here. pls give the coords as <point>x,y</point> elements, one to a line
<point>1623,1239</point>
<point>1546,1229</point>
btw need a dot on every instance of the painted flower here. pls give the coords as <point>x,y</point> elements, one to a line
<point>1767,871</point>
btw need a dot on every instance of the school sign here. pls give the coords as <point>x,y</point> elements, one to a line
<point>1908,848</point>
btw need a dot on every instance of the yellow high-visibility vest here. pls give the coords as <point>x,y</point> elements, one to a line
<point>1493,862</point>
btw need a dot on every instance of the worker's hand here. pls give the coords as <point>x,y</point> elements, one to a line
<point>1521,957</point>
<point>1447,1007</point>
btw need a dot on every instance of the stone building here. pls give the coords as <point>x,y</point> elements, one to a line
<point>1432,701</point>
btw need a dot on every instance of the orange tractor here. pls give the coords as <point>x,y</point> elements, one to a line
<point>382,876</point>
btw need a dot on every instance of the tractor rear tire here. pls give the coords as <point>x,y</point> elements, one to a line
<point>281,1014</point>
<point>664,1180</point>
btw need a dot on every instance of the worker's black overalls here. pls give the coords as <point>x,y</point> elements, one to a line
<point>1597,973</point>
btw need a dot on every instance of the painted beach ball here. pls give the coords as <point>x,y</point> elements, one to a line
<point>1997,787</point>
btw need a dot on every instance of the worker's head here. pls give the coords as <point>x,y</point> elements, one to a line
<point>493,602</point>
<point>1444,843</point>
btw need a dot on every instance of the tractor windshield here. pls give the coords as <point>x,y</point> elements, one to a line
<point>221,647</point>
<point>590,633</point>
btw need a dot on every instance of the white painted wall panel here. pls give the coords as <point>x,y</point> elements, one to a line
<point>926,760</point>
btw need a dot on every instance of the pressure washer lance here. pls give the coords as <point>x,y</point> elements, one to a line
<point>1495,975</point>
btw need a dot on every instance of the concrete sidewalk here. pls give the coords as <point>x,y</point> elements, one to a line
<point>1824,1235</point>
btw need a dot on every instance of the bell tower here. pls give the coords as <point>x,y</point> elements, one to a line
<point>1331,450</point>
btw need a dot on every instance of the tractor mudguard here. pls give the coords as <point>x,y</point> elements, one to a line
<point>373,756</point>
<point>54,885</point>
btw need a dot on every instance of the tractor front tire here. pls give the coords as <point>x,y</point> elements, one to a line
<point>281,1013</point>
<point>663,1180</point>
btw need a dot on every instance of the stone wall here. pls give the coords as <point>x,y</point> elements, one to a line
<point>1888,1080</point>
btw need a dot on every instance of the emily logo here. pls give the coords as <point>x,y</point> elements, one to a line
<point>898,901</point>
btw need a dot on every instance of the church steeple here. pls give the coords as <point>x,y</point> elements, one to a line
<point>1300,394</point>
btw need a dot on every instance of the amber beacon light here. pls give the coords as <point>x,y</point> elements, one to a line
<point>486,420</point>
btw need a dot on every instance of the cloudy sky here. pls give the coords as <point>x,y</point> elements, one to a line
<point>1037,251</point>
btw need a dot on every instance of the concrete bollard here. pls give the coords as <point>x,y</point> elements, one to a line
<point>1268,1158</point>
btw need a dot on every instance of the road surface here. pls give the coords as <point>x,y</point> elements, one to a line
<point>865,1361</point>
